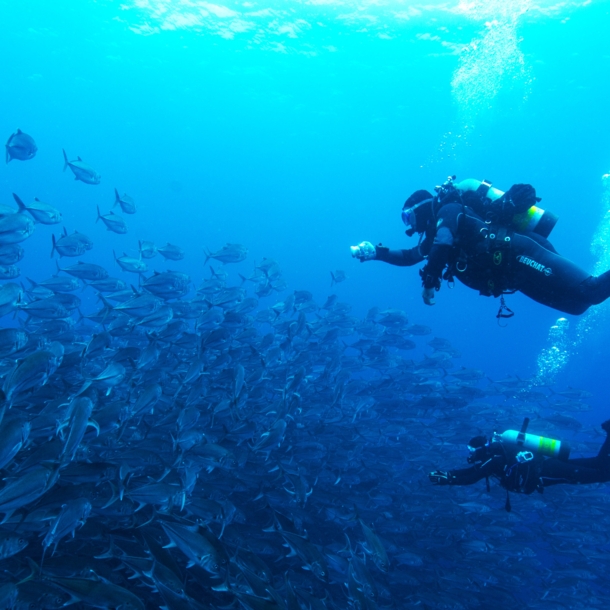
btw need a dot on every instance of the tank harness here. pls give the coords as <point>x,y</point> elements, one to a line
<point>495,244</point>
<point>533,449</point>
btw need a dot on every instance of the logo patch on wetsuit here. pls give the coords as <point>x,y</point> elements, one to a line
<point>530,262</point>
<point>497,257</point>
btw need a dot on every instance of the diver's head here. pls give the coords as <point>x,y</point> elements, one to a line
<point>478,449</point>
<point>417,212</point>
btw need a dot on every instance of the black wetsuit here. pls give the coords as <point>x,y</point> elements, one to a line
<point>494,261</point>
<point>499,461</point>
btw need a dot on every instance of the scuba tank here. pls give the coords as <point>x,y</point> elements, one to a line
<point>531,442</point>
<point>489,203</point>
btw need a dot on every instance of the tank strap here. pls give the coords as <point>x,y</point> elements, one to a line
<point>483,188</point>
<point>524,425</point>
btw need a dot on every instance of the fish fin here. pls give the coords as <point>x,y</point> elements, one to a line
<point>98,213</point>
<point>79,158</point>
<point>110,553</point>
<point>117,198</point>
<point>53,249</point>
<point>95,425</point>
<point>85,386</point>
<point>224,585</point>
<point>35,571</point>
<point>20,203</point>
<point>60,429</point>
<point>66,162</point>
<point>333,281</point>
<point>7,516</point>
<point>8,154</point>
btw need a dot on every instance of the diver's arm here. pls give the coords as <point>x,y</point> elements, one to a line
<point>468,476</point>
<point>366,251</point>
<point>437,258</point>
<point>448,218</point>
<point>400,258</point>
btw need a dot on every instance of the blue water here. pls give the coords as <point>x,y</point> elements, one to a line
<point>299,129</point>
<point>304,134</point>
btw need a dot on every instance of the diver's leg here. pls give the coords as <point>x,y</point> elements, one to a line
<point>580,470</point>
<point>548,278</point>
<point>542,241</point>
<point>596,289</point>
<point>603,457</point>
<point>556,472</point>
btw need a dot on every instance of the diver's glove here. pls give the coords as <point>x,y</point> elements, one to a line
<point>364,251</point>
<point>428,296</point>
<point>440,477</point>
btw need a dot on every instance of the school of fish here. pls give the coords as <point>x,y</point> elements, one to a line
<point>187,447</point>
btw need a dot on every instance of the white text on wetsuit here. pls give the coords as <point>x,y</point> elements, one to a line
<point>532,263</point>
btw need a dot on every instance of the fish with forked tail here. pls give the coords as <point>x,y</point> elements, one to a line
<point>83,172</point>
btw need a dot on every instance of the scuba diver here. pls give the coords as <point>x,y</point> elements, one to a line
<point>525,463</point>
<point>492,241</point>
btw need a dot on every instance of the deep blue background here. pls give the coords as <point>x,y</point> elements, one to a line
<point>299,154</point>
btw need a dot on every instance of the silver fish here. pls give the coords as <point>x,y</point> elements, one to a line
<point>229,253</point>
<point>42,212</point>
<point>112,221</point>
<point>15,228</point>
<point>126,202</point>
<point>20,146</point>
<point>83,172</point>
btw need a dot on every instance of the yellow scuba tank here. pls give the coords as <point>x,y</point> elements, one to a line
<point>534,219</point>
<point>531,442</point>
